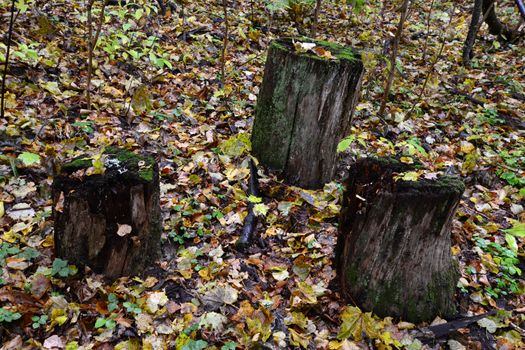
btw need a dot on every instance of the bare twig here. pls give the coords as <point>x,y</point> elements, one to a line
<point>90,52</point>
<point>313,32</point>
<point>464,94</point>
<point>183,15</point>
<point>92,42</point>
<point>393,55</point>
<point>225,41</point>
<point>6,65</point>
<point>250,222</point>
<point>432,66</point>
<point>429,17</point>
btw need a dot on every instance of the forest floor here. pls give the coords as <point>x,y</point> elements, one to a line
<point>157,87</point>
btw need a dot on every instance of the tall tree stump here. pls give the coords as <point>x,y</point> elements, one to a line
<point>107,212</point>
<point>304,108</point>
<point>393,253</point>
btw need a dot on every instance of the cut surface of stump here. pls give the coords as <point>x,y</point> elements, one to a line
<point>107,212</point>
<point>393,252</point>
<point>304,108</point>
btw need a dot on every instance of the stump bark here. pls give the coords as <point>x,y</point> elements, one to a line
<point>109,220</point>
<point>304,108</point>
<point>394,249</point>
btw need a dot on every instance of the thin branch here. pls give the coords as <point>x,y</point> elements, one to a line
<point>433,65</point>
<point>225,41</point>
<point>313,32</point>
<point>6,65</point>
<point>429,17</point>
<point>393,56</point>
<point>92,43</point>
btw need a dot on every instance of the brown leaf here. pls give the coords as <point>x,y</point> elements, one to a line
<point>39,286</point>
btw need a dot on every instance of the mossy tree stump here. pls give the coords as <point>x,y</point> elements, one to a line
<point>394,249</point>
<point>107,216</point>
<point>304,108</point>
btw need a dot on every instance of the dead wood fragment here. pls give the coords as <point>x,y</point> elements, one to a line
<point>250,223</point>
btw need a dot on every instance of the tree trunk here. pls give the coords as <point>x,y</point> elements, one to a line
<point>109,221</point>
<point>304,108</point>
<point>393,251</point>
<point>472,31</point>
<point>495,26</point>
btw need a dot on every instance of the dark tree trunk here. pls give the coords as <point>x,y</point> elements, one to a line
<point>492,20</point>
<point>110,221</point>
<point>485,11</point>
<point>475,23</point>
<point>305,107</point>
<point>394,249</point>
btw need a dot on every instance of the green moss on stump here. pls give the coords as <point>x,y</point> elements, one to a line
<point>77,163</point>
<point>118,162</point>
<point>388,298</point>
<point>143,165</point>
<point>338,51</point>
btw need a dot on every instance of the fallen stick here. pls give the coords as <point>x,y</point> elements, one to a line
<point>442,330</point>
<point>250,222</point>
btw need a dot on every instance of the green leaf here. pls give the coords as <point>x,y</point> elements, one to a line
<point>195,345</point>
<point>511,241</point>
<point>110,324</point>
<point>345,143</point>
<point>415,142</point>
<point>231,345</point>
<point>62,268</point>
<point>58,265</point>
<point>518,230</point>
<point>73,345</point>
<point>29,158</point>
<point>254,199</point>
<point>260,209</point>
<point>100,322</point>
<point>22,6</point>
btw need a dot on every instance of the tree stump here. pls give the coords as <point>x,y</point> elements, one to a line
<point>393,253</point>
<point>107,212</point>
<point>304,108</point>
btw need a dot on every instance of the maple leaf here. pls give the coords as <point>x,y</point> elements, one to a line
<point>356,323</point>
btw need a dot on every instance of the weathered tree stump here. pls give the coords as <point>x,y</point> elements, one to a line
<point>393,253</point>
<point>304,108</point>
<point>109,221</point>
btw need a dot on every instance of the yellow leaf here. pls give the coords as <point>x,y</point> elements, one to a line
<point>466,147</point>
<point>58,317</point>
<point>355,323</point>
<point>98,164</point>
<point>369,60</point>
<point>406,160</point>
<point>298,339</point>
<point>142,100</point>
